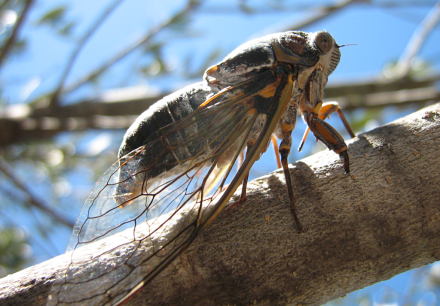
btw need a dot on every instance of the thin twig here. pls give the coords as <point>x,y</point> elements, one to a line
<point>128,50</point>
<point>399,3</point>
<point>32,199</point>
<point>9,43</point>
<point>81,43</point>
<point>264,9</point>
<point>3,5</point>
<point>85,115</point>
<point>323,12</point>
<point>418,39</point>
<point>223,9</point>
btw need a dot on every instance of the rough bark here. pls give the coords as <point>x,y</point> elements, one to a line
<point>381,220</point>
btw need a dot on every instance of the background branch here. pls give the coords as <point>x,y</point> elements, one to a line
<point>31,198</point>
<point>9,43</point>
<point>322,13</point>
<point>191,5</point>
<point>79,46</point>
<point>381,220</point>
<point>26,123</point>
<point>418,38</point>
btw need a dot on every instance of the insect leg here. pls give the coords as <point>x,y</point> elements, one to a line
<point>325,111</point>
<point>284,150</point>
<point>250,144</point>
<point>331,107</point>
<point>245,180</point>
<point>282,90</point>
<point>329,136</point>
<point>243,196</point>
<point>244,184</point>
<point>277,152</point>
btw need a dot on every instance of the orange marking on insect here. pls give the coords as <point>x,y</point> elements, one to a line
<point>268,91</point>
<point>328,136</point>
<point>327,109</point>
<point>304,107</point>
<point>277,152</point>
<point>287,127</point>
<point>317,107</point>
<point>209,100</point>
<point>284,147</point>
<point>125,204</point>
<point>251,111</point>
<point>342,149</point>
<point>212,69</point>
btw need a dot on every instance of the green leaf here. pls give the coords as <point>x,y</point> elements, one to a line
<point>179,21</point>
<point>66,30</point>
<point>245,8</point>
<point>20,46</point>
<point>53,17</point>
<point>154,47</point>
<point>13,246</point>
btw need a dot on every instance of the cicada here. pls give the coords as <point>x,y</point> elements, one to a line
<point>178,162</point>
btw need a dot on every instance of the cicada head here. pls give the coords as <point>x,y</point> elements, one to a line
<point>328,50</point>
<point>306,50</point>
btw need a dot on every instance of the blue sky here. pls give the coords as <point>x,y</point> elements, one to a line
<point>380,36</point>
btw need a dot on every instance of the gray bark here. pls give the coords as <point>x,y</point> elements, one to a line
<point>381,220</point>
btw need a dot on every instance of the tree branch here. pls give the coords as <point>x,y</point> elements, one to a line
<point>79,46</point>
<point>418,38</point>
<point>322,13</point>
<point>379,221</point>
<point>26,123</point>
<point>399,3</point>
<point>130,48</point>
<point>384,92</point>
<point>9,43</point>
<point>31,198</point>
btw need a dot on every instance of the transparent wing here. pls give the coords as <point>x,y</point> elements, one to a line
<point>150,204</point>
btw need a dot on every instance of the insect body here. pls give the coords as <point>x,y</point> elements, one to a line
<point>177,162</point>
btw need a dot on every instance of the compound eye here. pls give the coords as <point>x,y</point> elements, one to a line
<point>324,42</point>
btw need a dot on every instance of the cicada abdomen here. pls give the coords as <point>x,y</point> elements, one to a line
<point>178,167</point>
<point>162,153</point>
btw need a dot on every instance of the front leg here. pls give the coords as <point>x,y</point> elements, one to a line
<point>329,136</point>
<point>325,110</point>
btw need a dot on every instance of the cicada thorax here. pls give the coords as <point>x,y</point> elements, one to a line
<point>241,64</point>
<point>313,93</point>
<point>264,53</point>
